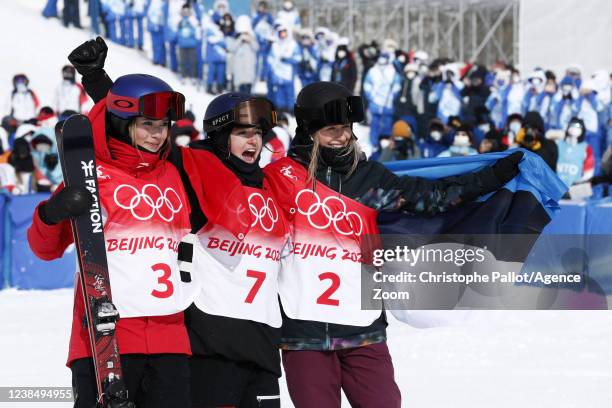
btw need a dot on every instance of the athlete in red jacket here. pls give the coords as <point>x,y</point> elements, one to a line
<point>146,214</point>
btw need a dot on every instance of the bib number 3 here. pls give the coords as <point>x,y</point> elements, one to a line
<point>163,280</point>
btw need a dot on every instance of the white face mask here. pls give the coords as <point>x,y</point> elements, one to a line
<point>566,89</point>
<point>384,143</point>
<point>21,87</point>
<point>461,141</point>
<point>341,54</point>
<point>514,126</point>
<point>43,148</point>
<point>182,140</point>
<point>436,135</point>
<point>383,60</point>
<point>516,79</point>
<point>484,128</point>
<point>402,59</point>
<point>410,74</point>
<point>574,131</point>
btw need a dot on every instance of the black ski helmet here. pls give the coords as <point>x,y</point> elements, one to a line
<point>236,108</point>
<point>322,104</point>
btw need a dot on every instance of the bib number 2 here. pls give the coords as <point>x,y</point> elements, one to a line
<point>326,296</point>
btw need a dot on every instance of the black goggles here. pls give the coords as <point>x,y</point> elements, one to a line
<point>339,111</point>
<point>253,112</point>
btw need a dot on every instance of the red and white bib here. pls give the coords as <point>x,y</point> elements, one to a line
<point>238,276</point>
<point>320,279</point>
<point>144,220</point>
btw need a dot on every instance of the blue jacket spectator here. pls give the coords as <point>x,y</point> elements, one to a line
<point>282,61</point>
<point>381,87</point>
<point>156,20</point>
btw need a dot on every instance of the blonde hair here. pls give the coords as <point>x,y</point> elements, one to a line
<point>353,150</point>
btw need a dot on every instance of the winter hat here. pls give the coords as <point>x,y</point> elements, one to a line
<point>454,122</point>
<point>401,128</point>
<point>184,127</point>
<point>243,25</point>
<point>420,55</point>
<point>534,120</point>
<point>46,112</point>
<point>41,138</point>
<point>389,45</point>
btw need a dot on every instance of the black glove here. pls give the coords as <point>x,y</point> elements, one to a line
<point>88,58</point>
<point>70,202</point>
<point>507,168</point>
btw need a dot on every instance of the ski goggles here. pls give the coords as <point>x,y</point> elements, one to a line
<point>253,112</point>
<point>157,105</point>
<point>339,111</point>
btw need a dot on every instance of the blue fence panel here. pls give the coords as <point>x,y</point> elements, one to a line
<point>571,219</point>
<point>26,270</point>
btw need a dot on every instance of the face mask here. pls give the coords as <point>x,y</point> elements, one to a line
<point>484,128</point>
<point>341,54</point>
<point>182,140</point>
<point>423,69</point>
<point>461,141</point>
<point>530,136</point>
<point>411,75</point>
<point>384,143</point>
<point>500,83</point>
<point>516,79</point>
<point>383,60</point>
<point>287,6</point>
<point>566,89</point>
<point>574,131</point>
<point>436,135</point>
<point>51,161</point>
<point>515,126</point>
<point>21,87</point>
<point>402,59</point>
<point>43,148</point>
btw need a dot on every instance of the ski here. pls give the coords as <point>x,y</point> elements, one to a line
<point>76,154</point>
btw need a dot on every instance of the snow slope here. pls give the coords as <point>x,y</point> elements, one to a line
<point>504,359</point>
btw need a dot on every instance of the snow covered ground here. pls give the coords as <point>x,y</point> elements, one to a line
<point>503,359</point>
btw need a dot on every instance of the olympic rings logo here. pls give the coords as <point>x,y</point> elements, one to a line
<point>166,203</point>
<point>265,214</point>
<point>325,211</point>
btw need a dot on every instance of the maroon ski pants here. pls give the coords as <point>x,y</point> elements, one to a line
<point>365,373</point>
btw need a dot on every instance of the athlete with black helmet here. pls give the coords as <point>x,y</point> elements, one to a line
<point>331,194</point>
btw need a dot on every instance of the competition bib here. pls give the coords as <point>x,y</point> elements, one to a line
<point>320,279</point>
<point>143,226</point>
<point>238,278</point>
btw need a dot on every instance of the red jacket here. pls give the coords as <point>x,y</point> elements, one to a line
<point>119,175</point>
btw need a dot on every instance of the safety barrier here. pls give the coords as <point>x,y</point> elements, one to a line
<point>23,270</point>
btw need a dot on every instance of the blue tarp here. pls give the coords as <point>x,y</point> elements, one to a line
<point>26,270</point>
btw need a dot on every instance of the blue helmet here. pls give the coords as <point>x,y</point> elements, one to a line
<point>236,108</point>
<point>144,95</point>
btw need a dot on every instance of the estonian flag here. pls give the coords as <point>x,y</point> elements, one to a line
<point>525,205</point>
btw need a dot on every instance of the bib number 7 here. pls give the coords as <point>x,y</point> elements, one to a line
<point>259,280</point>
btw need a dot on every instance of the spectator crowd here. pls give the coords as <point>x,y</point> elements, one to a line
<point>417,106</point>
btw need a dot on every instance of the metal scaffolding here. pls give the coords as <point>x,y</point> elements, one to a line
<point>481,31</point>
